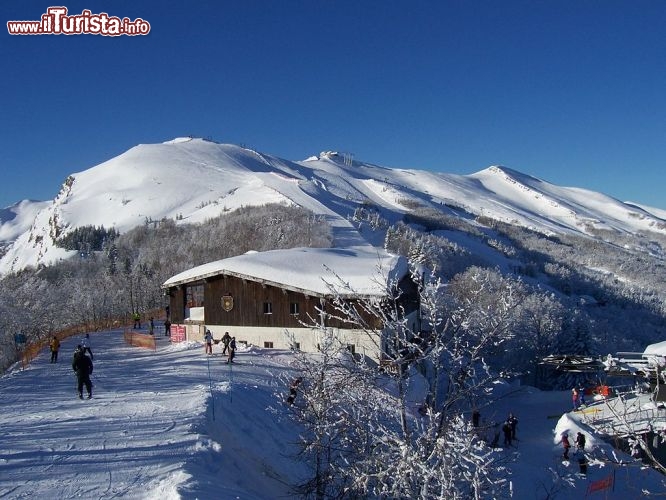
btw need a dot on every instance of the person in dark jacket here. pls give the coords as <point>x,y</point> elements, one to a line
<point>506,429</point>
<point>232,350</point>
<point>513,422</point>
<point>85,345</point>
<point>83,367</point>
<point>226,338</point>
<point>580,441</point>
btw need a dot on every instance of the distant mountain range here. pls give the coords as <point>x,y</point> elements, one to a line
<point>191,180</point>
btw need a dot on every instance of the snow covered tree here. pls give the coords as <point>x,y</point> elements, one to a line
<point>403,433</point>
<point>539,320</point>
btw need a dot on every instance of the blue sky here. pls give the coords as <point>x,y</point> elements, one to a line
<point>572,92</point>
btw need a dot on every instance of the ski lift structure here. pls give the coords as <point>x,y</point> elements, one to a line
<point>648,366</point>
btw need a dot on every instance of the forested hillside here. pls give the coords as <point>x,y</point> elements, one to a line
<point>570,294</point>
<point>102,287</point>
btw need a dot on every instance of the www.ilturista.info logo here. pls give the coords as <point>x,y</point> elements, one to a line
<point>56,22</point>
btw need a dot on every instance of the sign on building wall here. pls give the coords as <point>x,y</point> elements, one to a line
<point>177,333</point>
<point>227,302</point>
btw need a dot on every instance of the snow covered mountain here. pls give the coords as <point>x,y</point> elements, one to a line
<point>191,180</point>
<point>18,218</point>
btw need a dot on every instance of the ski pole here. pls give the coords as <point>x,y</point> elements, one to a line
<point>231,382</point>
<point>210,385</point>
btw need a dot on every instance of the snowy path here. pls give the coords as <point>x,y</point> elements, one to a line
<point>147,431</point>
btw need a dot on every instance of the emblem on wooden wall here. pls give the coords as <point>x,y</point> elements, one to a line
<point>227,302</point>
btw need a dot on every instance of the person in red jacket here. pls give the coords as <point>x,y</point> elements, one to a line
<point>566,445</point>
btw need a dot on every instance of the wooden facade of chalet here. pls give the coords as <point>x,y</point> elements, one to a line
<point>255,304</point>
<point>260,313</point>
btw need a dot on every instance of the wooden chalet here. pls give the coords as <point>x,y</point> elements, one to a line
<point>283,298</point>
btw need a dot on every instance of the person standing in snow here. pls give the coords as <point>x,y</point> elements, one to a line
<point>85,342</point>
<point>513,422</point>
<point>226,338</point>
<point>506,428</point>
<point>581,397</point>
<point>55,346</point>
<point>137,321</point>
<point>476,417</point>
<point>574,398</point>
<point>566,445</point>
<point>83,367</point>
<point>232,350</point>
<point>208,338</point>
<point>151,329</point>
<point>167,328</point>
<point>580,441</point>
<point>293,390</point>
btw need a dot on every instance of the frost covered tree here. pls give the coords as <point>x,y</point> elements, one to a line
<point>403,433</point>
<point>539,322</point>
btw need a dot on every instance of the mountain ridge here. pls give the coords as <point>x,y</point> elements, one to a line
<point>192,180</point>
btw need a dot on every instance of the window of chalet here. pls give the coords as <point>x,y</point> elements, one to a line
<point>268,345</point>
<point>268,308</point>
<point>293,308</point>
<point>351,348</point>
<point>194,295</point>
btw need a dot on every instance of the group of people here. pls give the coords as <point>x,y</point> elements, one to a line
<point>227,340</point>
<point>509,429</point>
<point>151,324</point>
<point>566,444</point>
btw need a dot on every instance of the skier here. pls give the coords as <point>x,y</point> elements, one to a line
<point>580,441</point>
<point>209,342</point>
<point>137,321</point>
<point>55,346</point>
<point>225,340</point>
<point>152,326</point>
<point>83,366</point>
<point>566,445</point>
<point>232,350</point>
<point>85,342</point>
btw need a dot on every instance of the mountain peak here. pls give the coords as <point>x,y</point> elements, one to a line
<point>190,180</point>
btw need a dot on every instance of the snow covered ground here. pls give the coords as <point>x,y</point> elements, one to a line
<point>175,423</point>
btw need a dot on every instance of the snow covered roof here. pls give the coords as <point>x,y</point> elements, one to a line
<point>658,349</point>
<point>357,271</point>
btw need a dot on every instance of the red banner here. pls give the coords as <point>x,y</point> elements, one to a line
<point>177,333</point>
<point>600,485</point>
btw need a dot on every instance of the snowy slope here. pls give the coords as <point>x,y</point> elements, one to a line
<point>177,424</point>
<point>18,218</point>
<point>192,179</point>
